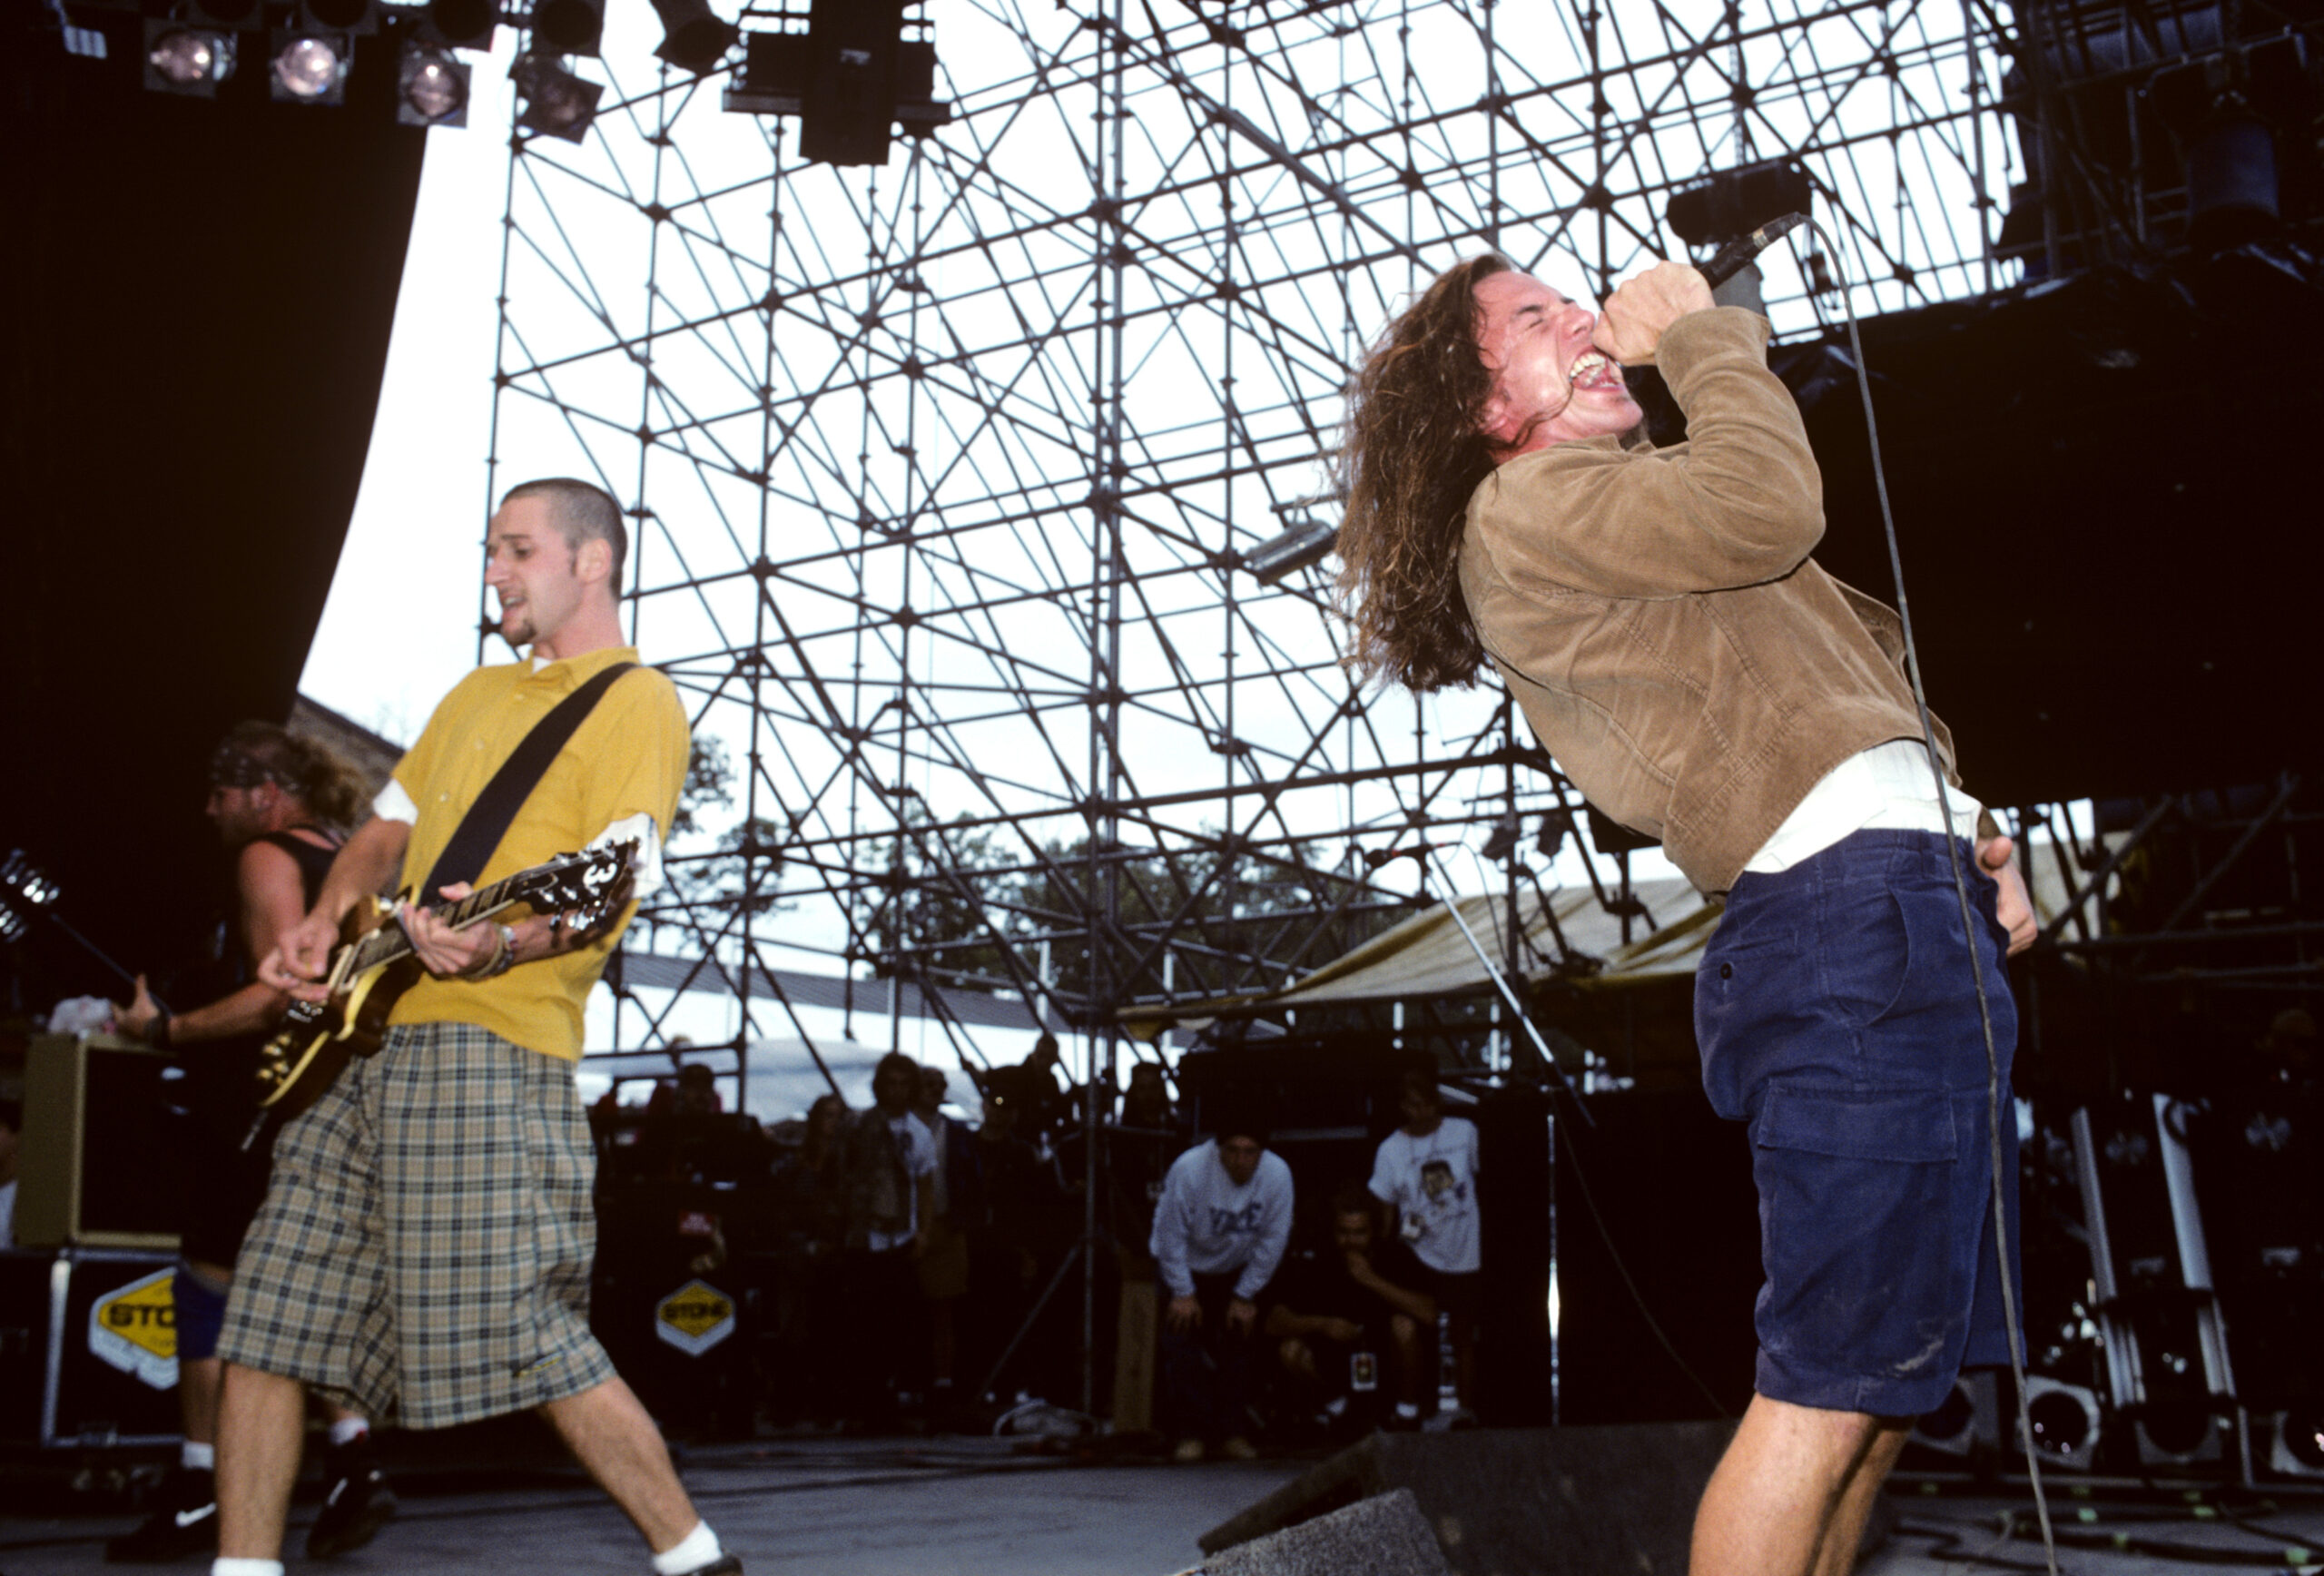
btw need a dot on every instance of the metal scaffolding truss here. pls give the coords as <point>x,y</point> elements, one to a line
<point>942,472</point>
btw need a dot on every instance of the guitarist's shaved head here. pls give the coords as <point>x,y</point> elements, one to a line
<point>584,512</point>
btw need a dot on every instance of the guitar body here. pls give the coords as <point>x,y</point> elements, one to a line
<point>374,965</point>
<point>317,1038</point>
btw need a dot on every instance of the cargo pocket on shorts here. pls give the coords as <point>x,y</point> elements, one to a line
<point>1854,1191</point>
<point>1910,1125</point>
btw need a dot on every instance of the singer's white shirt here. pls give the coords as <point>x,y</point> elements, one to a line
<point>1888,787</point>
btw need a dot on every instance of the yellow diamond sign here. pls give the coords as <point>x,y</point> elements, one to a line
<point>695,1318</point>
<point>135,1329</point>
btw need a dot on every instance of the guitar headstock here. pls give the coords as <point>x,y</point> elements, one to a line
<point>584,888</point>
<point>24,890</point>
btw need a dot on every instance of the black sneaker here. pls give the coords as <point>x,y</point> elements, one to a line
<point>358,1504</point>
<point>725,1565</point>
<point>183,1525</point>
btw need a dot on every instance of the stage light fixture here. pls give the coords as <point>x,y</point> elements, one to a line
<point>850,78</point>
<point>460,24</point>
<point>2298,1444</point>
<point>1729,205</point>
<point>1555,825</point>
<point>308,68</point>
<point>24,890</point>
<point>1307,541</point>
<point>187,60</point>
<point>1952,1426</point>
<point>334,17</point>
<point>432,88</point>
<point>569,26</point>
<point>1502,841</point>
<point>694,37</point>
<point>558,103</point>
<point>222,14</point>
<point>2065,1419</point>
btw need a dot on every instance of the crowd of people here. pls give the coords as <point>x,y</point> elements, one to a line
<point>899,1253</point>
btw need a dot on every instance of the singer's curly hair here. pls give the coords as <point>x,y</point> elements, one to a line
<point>1411,457</point>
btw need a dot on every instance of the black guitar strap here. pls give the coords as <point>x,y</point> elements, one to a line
<point>488,819</point>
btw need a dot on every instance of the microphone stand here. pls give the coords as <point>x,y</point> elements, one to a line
<point>1421,856</point>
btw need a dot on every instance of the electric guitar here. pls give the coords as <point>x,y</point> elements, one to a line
<point>374,965</point>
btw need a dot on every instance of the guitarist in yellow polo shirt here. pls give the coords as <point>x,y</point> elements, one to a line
<point>424,1250</point>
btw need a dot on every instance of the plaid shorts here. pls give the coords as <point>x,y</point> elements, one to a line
<point>424,1250</point>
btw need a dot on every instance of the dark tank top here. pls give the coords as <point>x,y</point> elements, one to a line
<point>221,1075</point>
<point>313,859</point>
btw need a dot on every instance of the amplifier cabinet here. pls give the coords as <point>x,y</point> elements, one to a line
<point>88,1348</point>
<point>98,1158</point>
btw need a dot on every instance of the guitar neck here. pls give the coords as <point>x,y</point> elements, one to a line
<point>388,944</point>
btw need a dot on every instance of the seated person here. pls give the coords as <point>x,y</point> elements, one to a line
<point>1342,1315</point>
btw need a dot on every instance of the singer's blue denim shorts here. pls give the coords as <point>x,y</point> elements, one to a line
<point>1838,1017</point>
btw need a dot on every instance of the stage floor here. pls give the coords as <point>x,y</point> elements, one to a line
<point>979,1507</point>
<point>799,1507</point>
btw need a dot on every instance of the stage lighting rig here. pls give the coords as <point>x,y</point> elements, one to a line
<point>431,87</point>
<point>188,60</point>
<point>694,37</point>
<point>558,103</point>
<point>851,77</point>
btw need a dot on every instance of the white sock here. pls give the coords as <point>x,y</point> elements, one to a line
<point>1407,1409</point>
<point>344,1428</point>
<point>690,1552</point>
<point>198,1457</point>
<point>223,1566</point>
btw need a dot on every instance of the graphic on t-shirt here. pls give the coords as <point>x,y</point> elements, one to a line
<point>1436,1181</point>
<point>1244,1220</point>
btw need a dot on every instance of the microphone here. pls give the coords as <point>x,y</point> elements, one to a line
<point>1729,261</point>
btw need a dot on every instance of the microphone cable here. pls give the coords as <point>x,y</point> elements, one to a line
<point>1968,917</point>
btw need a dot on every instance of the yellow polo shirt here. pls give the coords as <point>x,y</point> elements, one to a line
<point>628,757</point>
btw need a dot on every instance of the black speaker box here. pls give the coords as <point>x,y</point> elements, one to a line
<point>1520,1501</point>
<point>88,1348</point>
<point>1672,1185</point>
<point>1382,1536</point>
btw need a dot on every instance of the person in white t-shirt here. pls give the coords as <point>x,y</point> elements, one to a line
<point>1426,1171</point>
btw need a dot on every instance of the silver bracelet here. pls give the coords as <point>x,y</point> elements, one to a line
<point>505,957</point>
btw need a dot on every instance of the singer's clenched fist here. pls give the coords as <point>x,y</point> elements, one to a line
<point>1646,304</point>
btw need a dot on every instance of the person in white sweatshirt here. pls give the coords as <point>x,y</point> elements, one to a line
<point>1219,1231</point>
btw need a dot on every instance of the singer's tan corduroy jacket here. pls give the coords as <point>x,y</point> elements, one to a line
<point>1657,615</point>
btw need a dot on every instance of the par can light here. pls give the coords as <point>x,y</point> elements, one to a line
<point>558,103</point>
<point>432,88</point>
<point>187,60</point>
<point>308,68</point>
